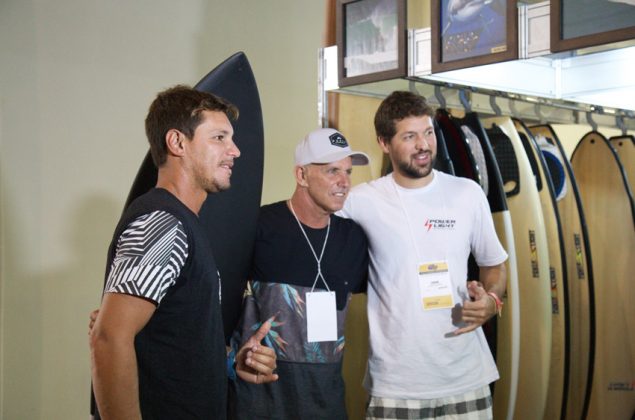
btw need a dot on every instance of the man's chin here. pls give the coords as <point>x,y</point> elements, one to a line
<point>336,208</point>
<point>216,188</point>
<point>417,173</point>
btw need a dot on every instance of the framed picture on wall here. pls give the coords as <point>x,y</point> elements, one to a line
<point>584,23</point>
<point>468,33</point>
<point>371,40</point>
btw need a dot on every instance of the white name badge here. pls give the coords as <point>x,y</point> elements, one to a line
<point>435,285</point>
<point>321,317</point>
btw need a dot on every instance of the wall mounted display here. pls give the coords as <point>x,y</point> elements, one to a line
<point>468,33</point>
<point>585,23</point>
<point>371,40</point>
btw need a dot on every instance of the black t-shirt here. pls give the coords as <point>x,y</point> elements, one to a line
<point>180,352</point>
<point>284,270</point>
<point>282,255</point>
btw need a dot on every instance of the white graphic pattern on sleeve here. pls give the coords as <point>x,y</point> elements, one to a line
<point>149,257</point>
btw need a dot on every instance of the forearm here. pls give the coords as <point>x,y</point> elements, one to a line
<point>494,279</point>
<point>115,380</point>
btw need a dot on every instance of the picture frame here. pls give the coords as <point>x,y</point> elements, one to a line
<point>371,40</point>
<point>469,34</point>
<point>578,24</point>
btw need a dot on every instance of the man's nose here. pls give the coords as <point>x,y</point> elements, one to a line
<point>344,179</point>
<point>422,143</point>
<point>234,150</point>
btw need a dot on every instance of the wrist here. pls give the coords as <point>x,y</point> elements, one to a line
<point>498,303</point>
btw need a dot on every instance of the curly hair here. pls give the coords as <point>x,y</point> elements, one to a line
<point>395,107</point>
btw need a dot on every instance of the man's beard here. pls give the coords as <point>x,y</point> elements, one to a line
<point>409,170</point>
<point>212,186</point>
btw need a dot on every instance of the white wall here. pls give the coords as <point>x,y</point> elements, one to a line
<point>76,78</point>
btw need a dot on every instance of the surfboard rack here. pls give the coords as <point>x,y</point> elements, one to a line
<point>619,122</point>
<point>465,101</point>
<point>541,117</point>
<point>494,106</point>
<point>439,96</point>
<point>514,110</point>
<point>589,119</point>
<point>487,101</point>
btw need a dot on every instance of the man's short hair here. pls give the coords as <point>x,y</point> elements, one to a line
<point>180,107</point>
<point>395,107</point>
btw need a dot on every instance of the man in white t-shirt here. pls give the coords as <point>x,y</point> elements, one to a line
<point>428,355</point>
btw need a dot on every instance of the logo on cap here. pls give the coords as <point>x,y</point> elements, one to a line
<point>338,140</point>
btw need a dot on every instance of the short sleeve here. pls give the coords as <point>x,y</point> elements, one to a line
<point>149,257</point>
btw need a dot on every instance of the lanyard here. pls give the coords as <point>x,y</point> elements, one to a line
<point>318,260</point>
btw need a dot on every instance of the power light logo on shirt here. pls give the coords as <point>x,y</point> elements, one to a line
<point>445,224</point>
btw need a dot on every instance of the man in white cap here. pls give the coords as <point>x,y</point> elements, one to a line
<point>307,262</point>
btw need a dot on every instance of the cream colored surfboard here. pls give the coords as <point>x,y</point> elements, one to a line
<point>557,270</point>
<point>625,148</point>
<point>508,326</point>
<point>532,258</point>
<point>607,203</point>
<point>579,287</point>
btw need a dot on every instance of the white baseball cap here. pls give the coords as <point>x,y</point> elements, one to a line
<point>326,145</point>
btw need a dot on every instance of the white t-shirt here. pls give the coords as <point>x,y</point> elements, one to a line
<point>413,354</point>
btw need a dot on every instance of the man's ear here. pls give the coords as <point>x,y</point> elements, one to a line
<point>174,142</point>
<point>383,144</point>
<point>300,176</point>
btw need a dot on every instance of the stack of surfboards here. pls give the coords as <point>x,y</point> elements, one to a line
<point>530,239</point>
<point>557,274</point>
<point>602,173</point>
<point>579,277</point>
<point>473,156</point>
<point>565,347</point>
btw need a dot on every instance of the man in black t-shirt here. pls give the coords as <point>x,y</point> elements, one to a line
<point>307,262</point>
<point>157,345</point>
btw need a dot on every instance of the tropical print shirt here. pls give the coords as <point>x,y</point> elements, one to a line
<point>288,335</point>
